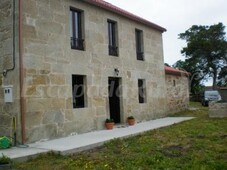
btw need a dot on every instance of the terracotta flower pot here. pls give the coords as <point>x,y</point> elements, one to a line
<point>109,125</point>
<point>131,122</point>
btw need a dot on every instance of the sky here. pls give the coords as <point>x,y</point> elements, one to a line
<point>176,16</point>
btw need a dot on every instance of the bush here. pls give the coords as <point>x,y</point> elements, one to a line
<point>130,117</point>
<point>4,160</point>
<point>109,121</point>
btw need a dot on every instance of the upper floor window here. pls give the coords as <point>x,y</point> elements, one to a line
<point>112,33</point>
<point>76,29</point>
<point>139,45</point>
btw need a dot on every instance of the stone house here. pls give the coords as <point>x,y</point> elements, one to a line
<point>177,89</point>
<point>67,65</point>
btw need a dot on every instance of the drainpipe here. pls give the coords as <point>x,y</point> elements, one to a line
<point>21,72</point>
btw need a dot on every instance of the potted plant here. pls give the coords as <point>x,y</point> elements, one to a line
<point>109,123</point>
<point>131,120</point>
<point>5,163</point>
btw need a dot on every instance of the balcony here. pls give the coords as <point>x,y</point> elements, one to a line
<point>140,56</point>
<point>77,43</point>
<point>113,50</point>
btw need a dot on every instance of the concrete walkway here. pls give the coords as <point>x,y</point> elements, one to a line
<point>82,142</point>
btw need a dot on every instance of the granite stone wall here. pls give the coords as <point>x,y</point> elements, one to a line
<point>177,93</point>
<point>217,110</point>
<point>49,63</point>
<point>9,110</point>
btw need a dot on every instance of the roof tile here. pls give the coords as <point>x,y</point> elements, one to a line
<point>173,71</point>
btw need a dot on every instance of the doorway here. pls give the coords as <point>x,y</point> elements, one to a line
<point>114,99</point>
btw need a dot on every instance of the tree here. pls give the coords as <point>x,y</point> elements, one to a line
<point>206,49</point>
<point>222,77</point>
<point>195,75</point>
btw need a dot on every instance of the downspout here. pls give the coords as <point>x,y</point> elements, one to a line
<point>21,72</point>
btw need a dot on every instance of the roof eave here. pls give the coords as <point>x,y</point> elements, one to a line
<point>126,14</point>
<point>173,71</point>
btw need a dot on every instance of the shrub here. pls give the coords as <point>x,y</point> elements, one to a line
<point>130,117</point>
<point>109,121</point>
<point>4,159</point>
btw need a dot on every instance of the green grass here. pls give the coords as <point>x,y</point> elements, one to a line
<point>198,144</point>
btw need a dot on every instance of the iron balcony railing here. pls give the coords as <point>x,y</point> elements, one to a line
<point>140,55</point>
<point>77,43</point>
<point>113,50</point>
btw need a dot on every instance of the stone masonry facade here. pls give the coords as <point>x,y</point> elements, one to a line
<point>177,92</point>
<point>49,63</point>
<point>8,110</point>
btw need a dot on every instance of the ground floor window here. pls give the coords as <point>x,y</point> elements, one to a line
<point>142,90</point>
<point>78,90</point>
<point>174,83</point>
